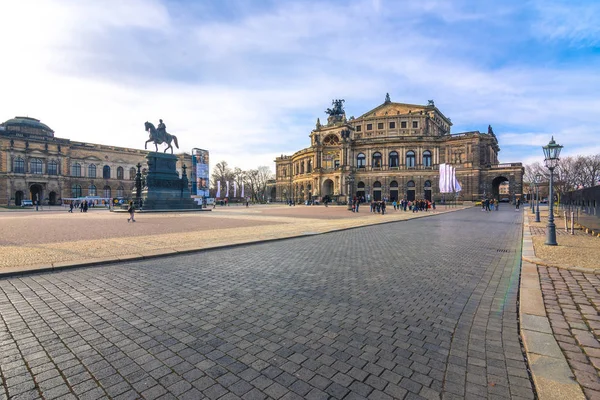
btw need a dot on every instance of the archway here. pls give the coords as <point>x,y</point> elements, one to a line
<point>393,191</point>
<point>377,191</point>
<point>410,191</point>
<point>52,198</point>
<point>360,192</point>
<point>18,198</point>
<point>428,190</point>
<point>273,194</point>
<point>499,180</point>
<point>327,190</point>
<point>36,193</point>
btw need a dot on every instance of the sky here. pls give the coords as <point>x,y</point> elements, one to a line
<point>247,79</point>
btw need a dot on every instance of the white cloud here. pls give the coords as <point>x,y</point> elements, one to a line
<point>251,87</point>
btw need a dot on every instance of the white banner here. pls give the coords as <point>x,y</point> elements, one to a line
<point>218,189</point>
<point>452,179</point>
<point>234,189</point>
<point>457,185</point>
<point>442,178</point>
<point>242,189</point>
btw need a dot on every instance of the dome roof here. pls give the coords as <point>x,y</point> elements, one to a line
<point>28,125</point>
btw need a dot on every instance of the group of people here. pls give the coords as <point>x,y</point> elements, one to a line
<point>82,205</point>
<point>489,205</point>
<point>404,205</point>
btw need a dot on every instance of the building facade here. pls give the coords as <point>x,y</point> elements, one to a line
<point>393,152</point>
<point>35,165</point>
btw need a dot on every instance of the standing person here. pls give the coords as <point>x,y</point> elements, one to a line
<point>71,207</point>
<point>131,211</point>
<point>383,207</point>
<point>518,204</point>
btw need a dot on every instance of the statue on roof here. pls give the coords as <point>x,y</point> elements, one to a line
<point>387,98</point>
<point>337,113</point>
<point>490,130</point>
<point>430,103</point>
<point>338,108</point>
<point>318,126</point>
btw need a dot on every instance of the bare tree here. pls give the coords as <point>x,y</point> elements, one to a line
<point>222,173</point>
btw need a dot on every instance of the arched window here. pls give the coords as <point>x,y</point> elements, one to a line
<point>393,184</point>
<point>427,184</point>
<point>75,191</point>
<point>106,192</point>
<point>427,158</point>
<point>92,190</point>
<point>120,173</point>
<point>410,158</point>
<point>410,184</point>
<point>309,166</point>
<point>76,170</point>
<point>35,166</point>
<point>377,184</point>
<point>106,172</point>
<point>132,174</point>
<point>19,166</point>
<point>302,167</point>
<point>120,191</point>
<point>361,160</point>
<point>393,159</point>
<point>285,172</point>
<point>91,171</point>
<point>377,160</point>
<point>361,185</point>
<point>52,168</point>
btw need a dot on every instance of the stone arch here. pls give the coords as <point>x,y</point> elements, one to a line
<point>496,182</point>
<point>327,189</point>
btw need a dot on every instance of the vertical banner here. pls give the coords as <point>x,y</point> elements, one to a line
<point>227,190</point>
<point>242,189</point>
<point>452,179</point>
<point>200,171</point>
<point>443,178</point>
<point>234,189</point>
<point>218,189</point>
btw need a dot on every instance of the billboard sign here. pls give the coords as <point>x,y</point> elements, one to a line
<point>200,169</point>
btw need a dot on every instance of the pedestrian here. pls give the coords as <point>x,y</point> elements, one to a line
<point>383,207</point>
<point>131,211</point>
<point>357,204</point>
<point>518,204</point>
<point>71,207</point>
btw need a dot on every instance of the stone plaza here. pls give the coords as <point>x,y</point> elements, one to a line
<point>421,308</point>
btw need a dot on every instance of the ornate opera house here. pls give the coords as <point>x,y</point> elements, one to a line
<point>393,152</point>
<point>36,165</point>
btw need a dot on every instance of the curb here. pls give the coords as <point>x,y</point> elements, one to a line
<point>552,376</point>
<point>8,272</point>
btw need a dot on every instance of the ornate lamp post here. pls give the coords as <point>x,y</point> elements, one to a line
<point>551,153</point>
<point>350,181</point>
<point>531,193</point>
<point>538,179</point>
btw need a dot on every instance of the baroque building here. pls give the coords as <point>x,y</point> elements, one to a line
<point>393,152</point>
<point>36,165</point>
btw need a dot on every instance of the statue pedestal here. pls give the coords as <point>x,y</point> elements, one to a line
<point>164,189</point>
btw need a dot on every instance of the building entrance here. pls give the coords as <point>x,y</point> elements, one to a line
<point>18,198</point>
<point>36,192</point>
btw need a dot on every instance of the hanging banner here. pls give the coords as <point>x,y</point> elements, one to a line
<point>218,196</point>
<point>227,191</point>
<point>234,189</point>
<point>200,179</point>
<point>242,189</point>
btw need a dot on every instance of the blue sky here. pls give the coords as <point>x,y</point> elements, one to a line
<point>248,79</point>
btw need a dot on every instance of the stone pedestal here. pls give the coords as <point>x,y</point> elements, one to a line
<point>164,189</point>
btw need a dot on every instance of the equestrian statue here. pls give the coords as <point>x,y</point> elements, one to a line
<point>159,136</point>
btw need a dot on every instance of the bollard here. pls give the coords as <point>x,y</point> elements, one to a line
<point>566,223</point>
<point>572,223</point>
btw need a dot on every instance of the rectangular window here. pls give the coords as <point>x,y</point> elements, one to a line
<point>358,127</point>
<point>380,125</point>
<point>52,168</point>
<point>403,124</point>
<point>369,127</point>
<point>392,125</point>
<point>415,124</point>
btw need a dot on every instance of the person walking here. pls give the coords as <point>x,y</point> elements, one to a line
<point>71,207</point>
<point>518,203</point>
<point>131,211</point>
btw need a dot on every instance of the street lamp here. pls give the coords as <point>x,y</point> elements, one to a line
<point>531,193</point>
<point>538,180</point>
<point>551,153</point>
<point>350,181</point>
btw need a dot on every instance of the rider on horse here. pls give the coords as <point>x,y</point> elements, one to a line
<point>161,131</point>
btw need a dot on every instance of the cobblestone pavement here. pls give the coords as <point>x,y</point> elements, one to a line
<point>417,309</point>
<point>572,301</point>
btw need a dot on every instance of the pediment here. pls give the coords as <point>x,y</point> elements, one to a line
<point>92,158</point>
<point>389,109</point>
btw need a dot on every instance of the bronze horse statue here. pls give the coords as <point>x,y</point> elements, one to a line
<point>159,138</point>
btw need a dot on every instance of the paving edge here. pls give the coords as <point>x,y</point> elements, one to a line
<point>552,376</point>
<point>7,272</point>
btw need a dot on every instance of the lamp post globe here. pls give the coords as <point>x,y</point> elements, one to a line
<point>551,153</point>
<point>538,179</point>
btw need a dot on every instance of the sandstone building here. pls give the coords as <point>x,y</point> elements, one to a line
<point>36,165</point>
<point>393,152</point>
